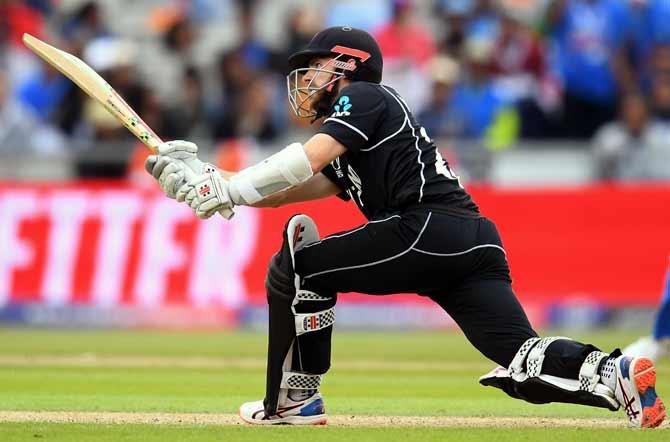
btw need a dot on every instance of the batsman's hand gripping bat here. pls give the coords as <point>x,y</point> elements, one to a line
<point>97,88</point>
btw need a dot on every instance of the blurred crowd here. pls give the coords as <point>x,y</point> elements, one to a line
<point>483,73</point>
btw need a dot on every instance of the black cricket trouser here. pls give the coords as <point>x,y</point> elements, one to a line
<point>458,262</point>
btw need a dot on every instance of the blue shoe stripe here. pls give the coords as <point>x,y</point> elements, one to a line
<point>313,409</point>
<point>624,365</point>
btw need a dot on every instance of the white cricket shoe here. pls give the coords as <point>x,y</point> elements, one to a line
<point>635,391</point>
<point>308,412</point>
<point>647,347</point>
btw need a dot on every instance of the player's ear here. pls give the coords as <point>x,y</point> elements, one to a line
<point>335,87</point>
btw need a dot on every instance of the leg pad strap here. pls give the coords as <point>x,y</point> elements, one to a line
<point>309,322</point>
<point>301,381</point>
<point>524,379</point>
<point>588,373</point>
<point>544,389</point>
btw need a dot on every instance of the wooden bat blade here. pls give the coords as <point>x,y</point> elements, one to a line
<point>95,87</point>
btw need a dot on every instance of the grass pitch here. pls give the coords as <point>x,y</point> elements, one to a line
<point>121,385</point>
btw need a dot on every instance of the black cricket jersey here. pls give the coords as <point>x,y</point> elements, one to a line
<point>391,163</point>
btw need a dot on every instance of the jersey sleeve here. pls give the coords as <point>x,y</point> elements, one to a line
<point>329,172</point>
<point>355,115</point>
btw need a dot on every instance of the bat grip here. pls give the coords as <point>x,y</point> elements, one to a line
<point>227,213</point>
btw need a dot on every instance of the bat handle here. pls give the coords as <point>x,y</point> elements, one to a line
<point>227,213</point>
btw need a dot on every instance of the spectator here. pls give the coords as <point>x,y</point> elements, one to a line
<point>44,92</point>
<point>303,24</point>
<point>660,97</point>
<point>20,131</point>
<point>648,38</point>
<point>520,70</point>
<point>529,12</point>
<point>455,14</point>
<point>652,71</point>
<point>15,60</point>
<point>234,76</point>
<point>615,141</point>
<point>636,146</point>
<point>437,117</point>
<point>254,52</point>
<point>589,36</point>
<point>171,57</point>
<point>251,64</point>
<point>659,61</point>
<point>250,115</point>
<point>403,39</point>
<point>518,60</point>
<point>652,161</point>
<point>187,118</point>
<point>475,102</point>
<point>45,7</point>
<point>85,23</point>
<point>115,59</point>
<point>17,18</point>
<point>407,47</point>
<point>640,39</point>
<point>485,21</point>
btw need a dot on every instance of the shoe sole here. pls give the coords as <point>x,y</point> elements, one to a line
<point>289,420</point>
<point>653,409</point>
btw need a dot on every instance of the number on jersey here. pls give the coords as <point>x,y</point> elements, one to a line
<point>441,166</point>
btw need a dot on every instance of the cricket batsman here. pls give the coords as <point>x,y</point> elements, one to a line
<point>424,235</point>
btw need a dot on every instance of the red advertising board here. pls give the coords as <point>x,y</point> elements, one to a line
<point>111,244</point>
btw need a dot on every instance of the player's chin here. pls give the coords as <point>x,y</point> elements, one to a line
<point>310,106</point>
<point>312,102</point>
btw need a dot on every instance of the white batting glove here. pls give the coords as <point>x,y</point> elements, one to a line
<point>170,173</point>
<point>207,194</point>
<point>183,151</point>
<point>188,153</point>
<point>176,164</point>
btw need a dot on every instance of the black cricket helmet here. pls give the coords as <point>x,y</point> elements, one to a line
<point>355,55</point>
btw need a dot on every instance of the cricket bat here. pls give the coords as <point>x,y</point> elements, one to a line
<point>97,88</point>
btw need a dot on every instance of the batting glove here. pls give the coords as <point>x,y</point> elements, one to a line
<point>177,162</point>
<point>207,194</point>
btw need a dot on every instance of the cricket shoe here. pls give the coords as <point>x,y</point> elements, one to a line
<point>635,391</point>
<point>310,411</point>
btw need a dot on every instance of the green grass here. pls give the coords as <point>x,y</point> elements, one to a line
<point>395,387</point>
<point>150,433</point>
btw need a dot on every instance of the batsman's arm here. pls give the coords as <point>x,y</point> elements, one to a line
<point>317,187</point>
<point>319,151</point>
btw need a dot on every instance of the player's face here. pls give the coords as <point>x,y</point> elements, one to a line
<point>306,86</point>
<point>316,78</point>
<point>317,75</point>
